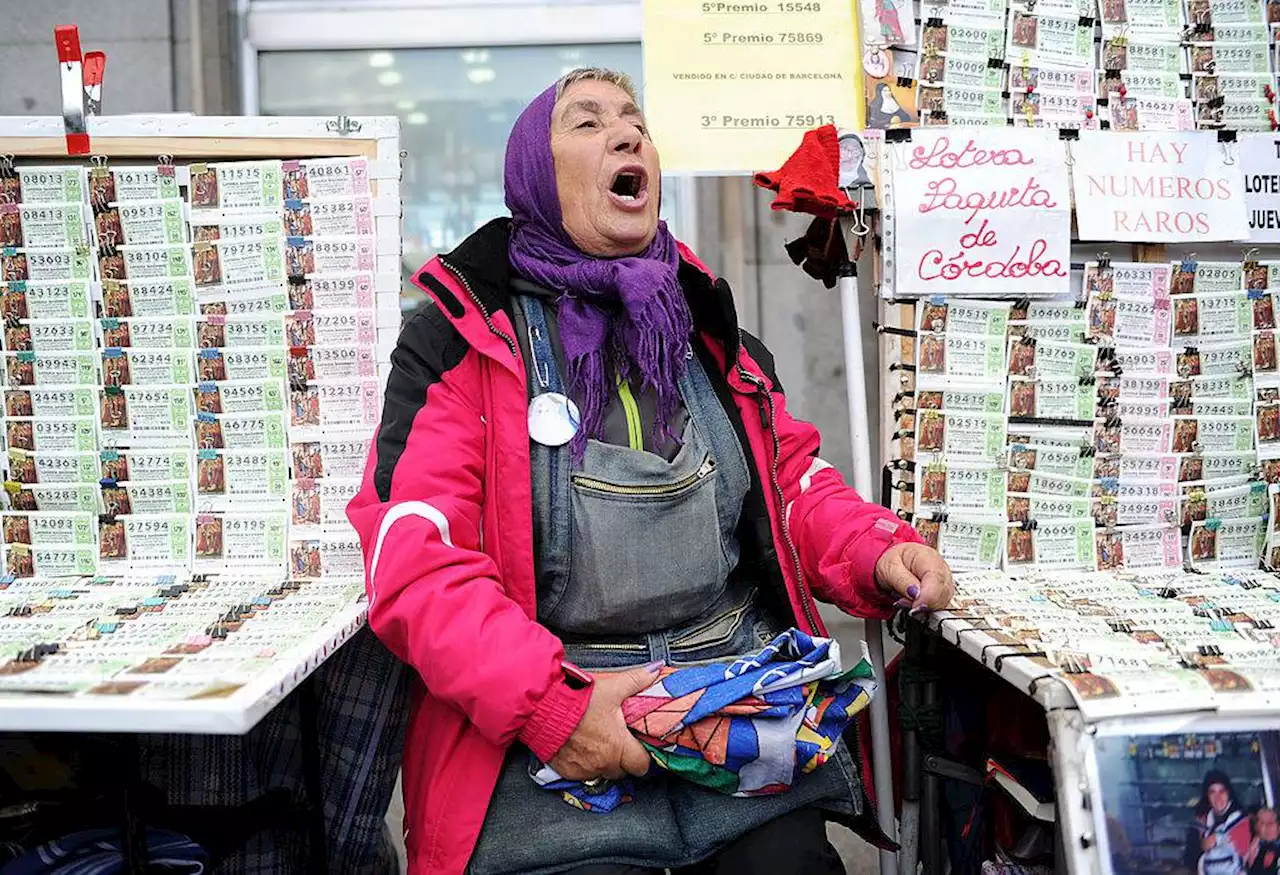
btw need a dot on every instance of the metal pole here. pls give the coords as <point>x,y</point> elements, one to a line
<point>860,435</point>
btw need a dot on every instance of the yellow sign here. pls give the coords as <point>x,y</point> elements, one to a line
<point>732,86</point>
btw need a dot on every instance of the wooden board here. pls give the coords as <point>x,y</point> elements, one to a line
<point>195,147</point>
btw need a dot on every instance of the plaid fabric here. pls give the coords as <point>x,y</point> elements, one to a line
<point>363,705</point>
<point>746,728</point>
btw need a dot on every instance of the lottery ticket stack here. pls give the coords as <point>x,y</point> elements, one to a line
<point>190,381</point>
<point>1135,428</point>
<point>1149,65</point>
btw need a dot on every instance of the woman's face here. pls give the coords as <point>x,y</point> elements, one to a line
<point>607,170</point>
<point>1219,798</point>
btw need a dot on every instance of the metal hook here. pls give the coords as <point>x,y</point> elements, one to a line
<point>164,160</point>
<point>861,228</point>
<point>1227,158</point>
<point>99,162</point>
<point>1071,160</point>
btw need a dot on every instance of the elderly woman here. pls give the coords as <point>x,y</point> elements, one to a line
<point>586,470</point>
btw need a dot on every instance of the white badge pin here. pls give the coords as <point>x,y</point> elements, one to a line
<point>553,419</point>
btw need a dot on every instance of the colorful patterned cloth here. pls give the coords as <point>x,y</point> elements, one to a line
<point>747,728</point>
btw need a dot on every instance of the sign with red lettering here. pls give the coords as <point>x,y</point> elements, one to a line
<point>1260,163</point>
<point>981,213</point>
<point>1158,188</point>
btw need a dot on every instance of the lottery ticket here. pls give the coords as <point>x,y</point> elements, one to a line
<point>959,433</point>
<point>228,264</point>
<point>1139,547</point>
<point>43,226</point>
<point>960,71</point>
<point>238,332</point>
<point>51,184</point>
<point>148,332</point>
<point>1218,12</point>
<point>1142,15</point>
<point>1131,504</point>
<point>1134,436</point>
<point>1224,58</point>
<point>305,256</point>
<point>333,328</point>
<point>1044,483</point>
<point>322,406</point>
<point>1140,409</point>
<point>958,396</point>
<point>49,335</point>
<point>227,478</point>
<point>237,186</point>
<point>144,541</point>
<point>263,363</point>
<point>49,435</point>
<point>1215,544</point>
<point>1217,359</point>
<point>135,263</point>
<point>142,223</point>
<point>326,178</point>
<point>1150,113</point>
<point>242,431</point>
<point>1138,387</point>
<point>328,217</point>
<point>44,300</point>
<point>249,301</point>
<point>1238,113</point>
<point>1022,508</point>
<point>50,369</point>
<point>1137,83</point>
<point>965,544</point>
<point>1063,461</point>
<point>354,291</point>
<point>1240,33</point>
<point>22,560</point>
<point>1049,40</point>
<point>333,363</point>
<point>1142,53</point>
<point>147,298</point>
<point>985,318</point>
<point>1267,430</point>
<point>49,529</point>
<point>144,414</point>
<point>249,396</point>
<point>44,265</point>
<point>960,100</point>
<point>1236,387</point>
<point>1128,279</point>
<point>1048,105</point>
<point>1200,503</point>
<point>1262,349</point>
<point>1212,315</point>
<point>50,402</point>
<point>151,497</point>
<point>61,497</point>
<point>1057,545</point>
<point>1051,398</point>
<point>963,120</point>
<point>1057,332</point>
<point>961,356</point>
<point>1051,80</point>
<point>145,465</point>
<point>340,455</point>
<point>974,488</point>
<point>322,503</point>
<point>1231,85</point>
<point>1202,407</point>
<point>257,540</point>
<point>1212,434</point>
<point>1211,467</point>
<point>1045,359</point>
<point>133,184</point>
<point>1143,468</point>
<point>330,556</point>
<point>206,228</point>
<point>143,367</point>
<point>28,467</point>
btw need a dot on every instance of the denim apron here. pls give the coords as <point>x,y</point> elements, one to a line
<point>635,563</point>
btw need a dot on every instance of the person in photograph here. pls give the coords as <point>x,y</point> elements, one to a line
<point>1263,856</point>
<point>1220,835</point>
<point>1264,351</point>
<point>1024,30</point>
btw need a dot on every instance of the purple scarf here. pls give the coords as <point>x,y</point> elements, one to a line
<point>617,316</point>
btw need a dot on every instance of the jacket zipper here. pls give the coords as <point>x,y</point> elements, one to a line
<point>707,468</point>
<point>806,600</point>
<point>475,299</point>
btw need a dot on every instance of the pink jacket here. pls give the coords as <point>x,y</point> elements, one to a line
<point>444,519</point>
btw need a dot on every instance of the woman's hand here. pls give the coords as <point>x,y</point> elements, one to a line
<point>918,574</point>
<point>602,746</point>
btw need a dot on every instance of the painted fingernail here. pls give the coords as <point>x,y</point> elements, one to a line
<point>913,592</point>
<point>919,609</point>
<point>653,667</point>
<point>902,603</point>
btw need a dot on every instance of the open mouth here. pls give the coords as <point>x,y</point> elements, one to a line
<point>630,184</point>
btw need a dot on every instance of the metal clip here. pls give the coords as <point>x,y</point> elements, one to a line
<point>343,125</point>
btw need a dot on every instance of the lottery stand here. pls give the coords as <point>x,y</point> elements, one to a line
<point>1079,412</point>
<point>199,315</point>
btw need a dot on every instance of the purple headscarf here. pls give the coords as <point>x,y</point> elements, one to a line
<point>617,316</point>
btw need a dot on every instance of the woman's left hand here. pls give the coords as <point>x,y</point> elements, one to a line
<point>918,574</point>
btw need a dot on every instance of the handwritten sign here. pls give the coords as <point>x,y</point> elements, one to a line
<point>982,213</point>
<point>1260,163</point>
<point>732,86</point>
<point>1158,187</point>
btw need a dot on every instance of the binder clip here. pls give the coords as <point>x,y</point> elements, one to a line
<point>81,76</point>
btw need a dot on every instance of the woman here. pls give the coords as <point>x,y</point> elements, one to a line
<point>584,466</point>
<point>1219,840</point>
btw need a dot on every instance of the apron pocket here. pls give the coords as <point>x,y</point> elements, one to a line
<point>646,555</point>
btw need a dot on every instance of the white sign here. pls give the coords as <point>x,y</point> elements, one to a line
<point>982,213</point>
<point>1260,164</point>
<point>1158,188</point>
